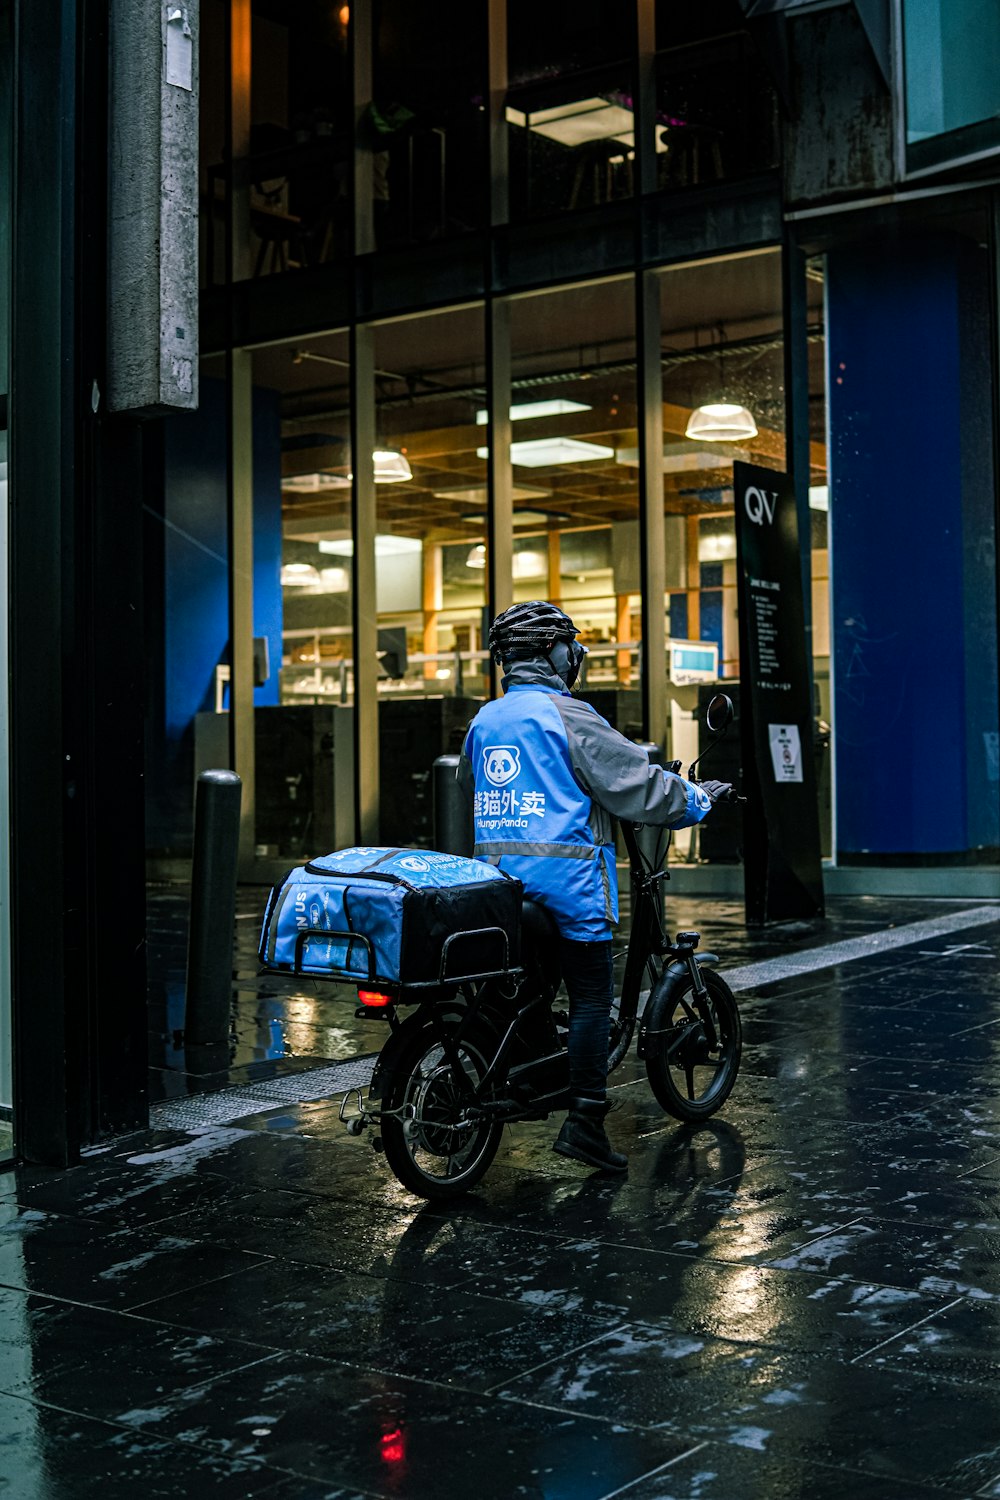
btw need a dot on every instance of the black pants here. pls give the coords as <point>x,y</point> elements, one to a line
<point>588,970</point>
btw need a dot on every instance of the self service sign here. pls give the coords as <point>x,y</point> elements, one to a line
<point>782,862</point>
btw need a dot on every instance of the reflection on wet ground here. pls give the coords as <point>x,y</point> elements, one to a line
<point>801,1299</point>
<point>285,1025</point>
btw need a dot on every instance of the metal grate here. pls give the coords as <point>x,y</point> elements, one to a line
<point>233,1104</point>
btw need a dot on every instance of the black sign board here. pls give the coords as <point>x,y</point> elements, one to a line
<point>782,861</point>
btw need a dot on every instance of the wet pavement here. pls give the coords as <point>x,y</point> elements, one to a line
<point>801,1299</point>
<point>287,1025</point>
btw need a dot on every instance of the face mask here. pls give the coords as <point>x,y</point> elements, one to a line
<point>566,658</point>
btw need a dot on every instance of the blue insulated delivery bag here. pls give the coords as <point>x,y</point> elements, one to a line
<point>394,915</point>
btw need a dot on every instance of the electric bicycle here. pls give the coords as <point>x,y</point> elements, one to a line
<point>463,1061</point>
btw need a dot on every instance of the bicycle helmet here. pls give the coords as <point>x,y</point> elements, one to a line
<point>535,629</point>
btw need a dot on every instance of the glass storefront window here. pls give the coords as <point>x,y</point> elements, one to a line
<point>303,701</point>
<point>430,553</point>
<point>293,170</point>
<point>570,106</point>
<point>722,342</point>
<point>427,121</point>
<point>574,446</point>
<point>819,550</point>
<point>716,107</point>
<point>951,86</point>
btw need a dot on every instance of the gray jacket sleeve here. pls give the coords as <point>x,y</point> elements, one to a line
<point>618,776</point>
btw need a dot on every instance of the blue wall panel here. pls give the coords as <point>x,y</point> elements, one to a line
<point>195,628</point>
<point>901,341</point>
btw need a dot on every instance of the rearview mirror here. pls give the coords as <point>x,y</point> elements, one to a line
<point>719,714</point>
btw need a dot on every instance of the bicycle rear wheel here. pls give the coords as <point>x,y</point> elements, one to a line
<point>436,1146</point>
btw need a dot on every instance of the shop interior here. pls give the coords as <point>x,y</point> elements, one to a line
<point>576,540</point>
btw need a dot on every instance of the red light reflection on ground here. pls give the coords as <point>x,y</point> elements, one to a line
<point>393,1446</point>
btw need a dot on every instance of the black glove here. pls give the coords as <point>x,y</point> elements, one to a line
<point>718,791</point>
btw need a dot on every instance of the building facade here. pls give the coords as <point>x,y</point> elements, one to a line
<point>471,284</point>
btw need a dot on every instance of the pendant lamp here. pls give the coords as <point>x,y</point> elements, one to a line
<point>721,421</point>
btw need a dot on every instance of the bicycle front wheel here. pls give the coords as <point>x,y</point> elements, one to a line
<point>692,1066</point>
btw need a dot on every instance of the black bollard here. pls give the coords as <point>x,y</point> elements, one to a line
<point>452,813</point>
<point>209,989</point>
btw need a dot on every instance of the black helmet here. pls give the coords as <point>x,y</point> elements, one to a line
<point>527,630</point>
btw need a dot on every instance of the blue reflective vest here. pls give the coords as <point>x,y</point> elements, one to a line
<point>546,774</point>
<point>532,817</point>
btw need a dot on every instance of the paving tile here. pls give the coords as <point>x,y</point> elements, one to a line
<point>920,1257</point>
<point>724,1471</point>
<point>153,1182</point>
<point>101,1266</point>
<point>741,1303</point>
<point>892,1424</point>
<point>391,1436</point>
<point>961,1342</point>
<point>410,1245</point>
<point>48,1454</point>
<point>381,1323</point>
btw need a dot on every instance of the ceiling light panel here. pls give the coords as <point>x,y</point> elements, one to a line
<point>527,409</point>
<point>541,453</point>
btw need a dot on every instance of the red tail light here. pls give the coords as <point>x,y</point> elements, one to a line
<point>374,999</point>
<point>393,1446</point>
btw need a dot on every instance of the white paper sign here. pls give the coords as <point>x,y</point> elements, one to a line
<point>179,68</point>
<point>786,751</point>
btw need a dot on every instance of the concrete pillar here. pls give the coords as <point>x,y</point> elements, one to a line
<point>153,211</point>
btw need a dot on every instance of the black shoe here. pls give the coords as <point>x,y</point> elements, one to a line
<point>584,1139</point>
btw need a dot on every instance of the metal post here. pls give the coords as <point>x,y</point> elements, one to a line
<point>497,64</point>
<point>651,834</point>
<point>452,821</point>
<point>364,609</point>
<point>652,529</point>
<point>209,987</point>
<point>500,482</point>
<point>239,395</point>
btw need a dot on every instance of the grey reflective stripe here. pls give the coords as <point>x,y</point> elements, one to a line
<point>558,851</point>
<point>606,883</point>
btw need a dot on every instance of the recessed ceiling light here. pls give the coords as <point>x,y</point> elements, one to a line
<point>385,546</point>
<point>309,484</point>
<point>541,453</point>
<point>526,409</point>
<point>526,517</point>
<point>479,495</point>
<point>529,517</point>
<point>578,123</point>
<point>678,458</point>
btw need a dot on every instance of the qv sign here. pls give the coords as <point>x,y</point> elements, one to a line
<point>759,505</point>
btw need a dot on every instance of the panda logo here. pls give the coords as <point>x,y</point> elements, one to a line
<point>501,763</point>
